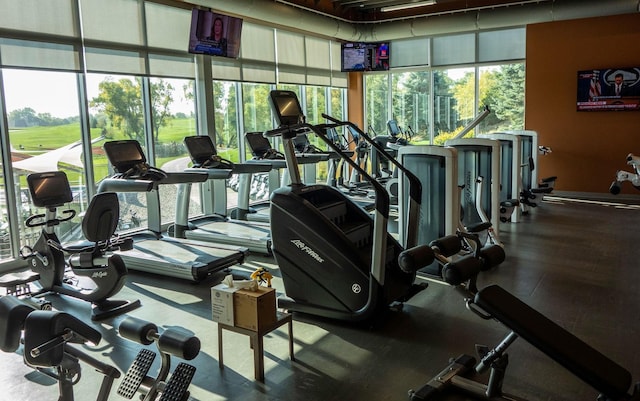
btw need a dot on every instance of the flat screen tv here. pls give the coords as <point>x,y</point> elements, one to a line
<point>214,34</point>
<point>609,89</point>
<point>365,56</point>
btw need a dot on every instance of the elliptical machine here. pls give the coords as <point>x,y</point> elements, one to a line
<point>88,259</point>
<point>336,260</point>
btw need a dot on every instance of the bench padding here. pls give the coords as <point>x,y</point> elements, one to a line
<point>585,362</point>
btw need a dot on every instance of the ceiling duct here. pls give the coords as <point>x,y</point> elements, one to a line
<point>305,20</point>
<point>281,15</point>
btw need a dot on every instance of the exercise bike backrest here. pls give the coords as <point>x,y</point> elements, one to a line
<point>129,161</point>
<point>203,153</point>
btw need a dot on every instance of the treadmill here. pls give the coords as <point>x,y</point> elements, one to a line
<point>217,227</point>
<point>264,153</point>
<point>153,252</point>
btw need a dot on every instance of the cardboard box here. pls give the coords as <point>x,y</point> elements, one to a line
<point>222,304</point>
<point>255,310</point>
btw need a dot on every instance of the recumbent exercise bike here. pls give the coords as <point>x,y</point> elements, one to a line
<point>90,260</point>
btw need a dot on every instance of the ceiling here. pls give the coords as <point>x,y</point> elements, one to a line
<point>372,10</point>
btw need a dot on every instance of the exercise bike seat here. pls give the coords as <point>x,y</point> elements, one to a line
<point>13,314</point>
<point>585,362</point>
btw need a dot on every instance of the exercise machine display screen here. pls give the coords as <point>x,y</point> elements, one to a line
<point>123,155</point>
<point>394,130</point>
<point>258,143</point>
<point>286,107</point>
<point>49,189</point>
<point>200,148</point>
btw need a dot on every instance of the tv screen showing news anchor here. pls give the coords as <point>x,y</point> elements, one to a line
<point>609,89</point>
<point>214,34</point>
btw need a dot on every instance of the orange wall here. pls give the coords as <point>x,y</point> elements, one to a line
<point>588,147</point>
<point>355,94</point>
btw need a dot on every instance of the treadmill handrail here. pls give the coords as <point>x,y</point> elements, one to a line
<point>124,185</point>
<point>415,187</point>
<point>184,177</point>
<point>212,173</point>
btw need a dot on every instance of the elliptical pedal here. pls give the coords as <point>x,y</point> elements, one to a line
<point>176,388</point>
<point>136,373</point>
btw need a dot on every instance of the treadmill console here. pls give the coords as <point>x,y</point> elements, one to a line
<point>261,147</point>
<point>203,153</point>
<point>128,160</point>
<point>124,155</point>
<point>200,148</point>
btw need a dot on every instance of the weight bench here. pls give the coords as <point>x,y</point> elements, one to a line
<point>610,379</point>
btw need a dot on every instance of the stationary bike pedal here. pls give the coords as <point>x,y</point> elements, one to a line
<point>176,388</point>
<point>136,373</point>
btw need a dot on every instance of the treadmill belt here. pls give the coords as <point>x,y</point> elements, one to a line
<point>184,259</point>
<point>237,230</point>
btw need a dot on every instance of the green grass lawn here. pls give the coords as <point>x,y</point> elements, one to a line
<point>33,141</point>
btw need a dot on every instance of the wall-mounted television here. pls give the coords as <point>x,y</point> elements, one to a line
<point>359,56</point>
<point>609,89</point>
<point>214,34</point>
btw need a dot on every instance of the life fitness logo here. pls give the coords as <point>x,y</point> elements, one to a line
<point>355,287</point>
<point>303,247</point>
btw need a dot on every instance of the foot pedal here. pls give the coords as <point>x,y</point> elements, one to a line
<point>136,373</point>
<point>177,386</point>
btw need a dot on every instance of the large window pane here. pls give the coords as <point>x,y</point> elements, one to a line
<point>44,132</point>
<point>502,90</point>
<point>225,105</point>
<point>454,101</point>
<point>257,118</point>
<point>256,112</point>
<point>115,106</point>
<point>173,118</point>
<point>411,92</point>
<point>376,104</point>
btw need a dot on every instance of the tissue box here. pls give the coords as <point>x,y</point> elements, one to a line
<point>255,310</point>
<point>222,304</point>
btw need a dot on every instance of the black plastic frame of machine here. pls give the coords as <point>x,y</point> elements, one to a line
<point>336,260</point>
